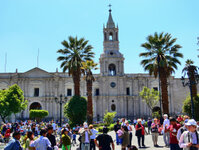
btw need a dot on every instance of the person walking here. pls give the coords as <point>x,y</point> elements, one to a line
<point>7,134</point>
<point>149,122</point>
<point>117,126</point>
<point>123,122</point>
<point>125,137</point>
<point>182,129</point>
<point>103,141</point>
<point>140,133</point>
<point>51,137</point>
<point>130,133</point>
<point>92,137</point>
<point>42,143</point>
<point>14,144</point>
<point>166,134</point>
<point>66,140</point>
<point>85,138</point>
<point>29,140</point>
<point>173,128</point>
<point>154,132</point>
<point>190,139</point>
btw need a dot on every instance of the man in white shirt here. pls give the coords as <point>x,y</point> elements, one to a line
<point>54,127</point>
<point>189,140</point>
<point>42,143</point>
<point>166,134</point>
<point>92,137</point>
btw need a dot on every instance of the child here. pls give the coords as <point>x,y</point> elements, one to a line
<point>120,133</point>
<point>74,138</point>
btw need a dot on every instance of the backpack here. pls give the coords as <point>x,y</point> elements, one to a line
<point>193,148</point>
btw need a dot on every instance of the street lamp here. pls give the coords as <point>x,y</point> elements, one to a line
<point>190,83</point>
<point>61,101</point>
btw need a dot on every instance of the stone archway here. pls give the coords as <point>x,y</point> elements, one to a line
<point>35,105</point>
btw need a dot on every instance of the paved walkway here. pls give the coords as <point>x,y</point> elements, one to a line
<point>148,142</point>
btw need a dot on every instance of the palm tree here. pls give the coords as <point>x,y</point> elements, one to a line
<point>74,53</point>
<point>191,71</point>
<point>88,76</point>
<point>161,59</point>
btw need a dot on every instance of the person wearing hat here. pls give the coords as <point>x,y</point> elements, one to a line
<point>85,138</point>
<point>154,132</point>
<point>189,140</point>
<point>103,141</point>
<point>140,132</point>
<point>182,129</point>
<point>66,140</point>
<point>166,134</point>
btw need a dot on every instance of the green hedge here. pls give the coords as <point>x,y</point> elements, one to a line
<point>38,113</point>
<point>110,128</point>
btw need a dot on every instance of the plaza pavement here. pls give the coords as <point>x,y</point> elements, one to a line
<point>148,142</point>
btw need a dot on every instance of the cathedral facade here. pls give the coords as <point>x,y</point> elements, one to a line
<point>113,90</point>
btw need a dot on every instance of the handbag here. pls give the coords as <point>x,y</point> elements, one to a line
<point>154,130</point>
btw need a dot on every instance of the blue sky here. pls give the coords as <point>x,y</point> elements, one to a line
<point>26,25</point>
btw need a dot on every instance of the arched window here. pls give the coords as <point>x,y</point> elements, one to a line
<point>111,36</point>
<point>112,69</point>
<point>113,107</point>
<point>35,105</point>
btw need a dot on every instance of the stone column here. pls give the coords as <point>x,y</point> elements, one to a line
<point>118,68</point>
<point>94,107</point>
<point>139,103</point>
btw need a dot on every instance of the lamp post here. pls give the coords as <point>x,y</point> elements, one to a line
<point>190,83</point>
<point>61,101</point>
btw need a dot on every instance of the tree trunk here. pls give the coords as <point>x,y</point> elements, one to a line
<point>90,102</point>
<point>76,81</point>
<point>164,91</point>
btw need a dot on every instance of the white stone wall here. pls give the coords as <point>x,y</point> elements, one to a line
<point>51,85</point>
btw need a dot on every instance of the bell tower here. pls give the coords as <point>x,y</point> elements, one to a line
<point>111,60</point>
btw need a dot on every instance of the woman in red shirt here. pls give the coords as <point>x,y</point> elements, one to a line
<point>140,132</point>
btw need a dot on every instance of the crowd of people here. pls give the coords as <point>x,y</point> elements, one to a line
<point>178,133</point>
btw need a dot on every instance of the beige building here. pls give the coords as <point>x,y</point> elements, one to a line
<point>113,90</point>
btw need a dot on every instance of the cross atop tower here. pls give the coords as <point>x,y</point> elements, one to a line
<point>110,7</point>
